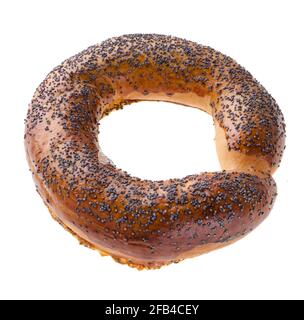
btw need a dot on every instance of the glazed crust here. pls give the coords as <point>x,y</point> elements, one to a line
<point>146,223</point>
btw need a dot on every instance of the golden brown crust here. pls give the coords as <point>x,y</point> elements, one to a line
<point>152,223</point>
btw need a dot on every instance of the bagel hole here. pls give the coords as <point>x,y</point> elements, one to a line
<point>159,140</point>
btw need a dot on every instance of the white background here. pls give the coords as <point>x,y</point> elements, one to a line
<point>38,259</point>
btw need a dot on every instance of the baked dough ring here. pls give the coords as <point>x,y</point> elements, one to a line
<point>143,223</point>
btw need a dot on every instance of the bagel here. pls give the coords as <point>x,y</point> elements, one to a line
<point>144,223</point>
